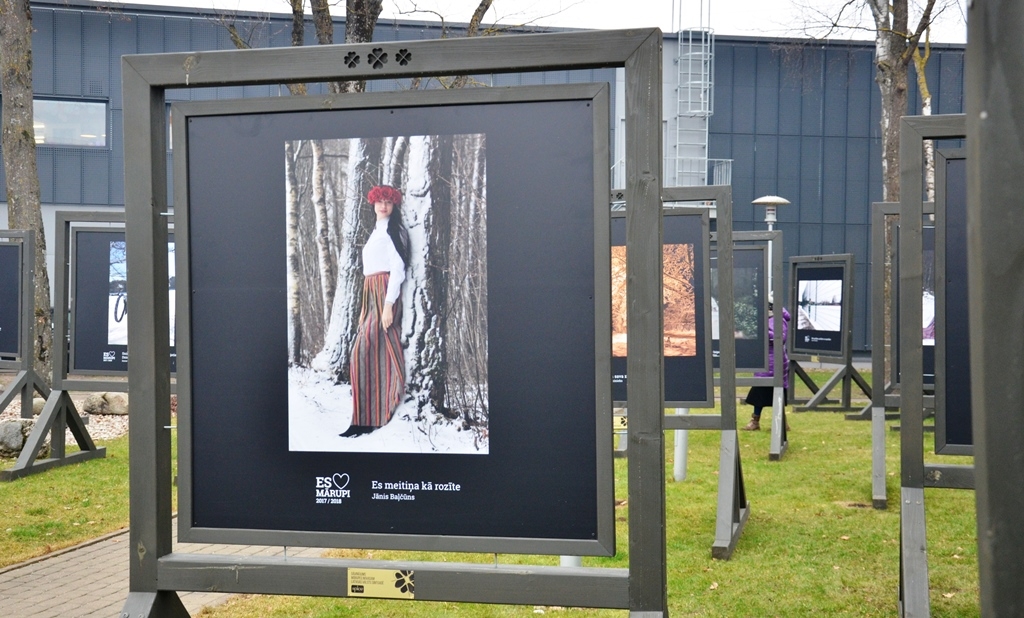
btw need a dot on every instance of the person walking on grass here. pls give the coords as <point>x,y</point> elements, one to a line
<point>761,396</point>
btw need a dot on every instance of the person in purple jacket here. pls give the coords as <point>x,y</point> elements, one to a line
<point>761,396</point>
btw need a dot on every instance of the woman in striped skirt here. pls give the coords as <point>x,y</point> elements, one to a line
<point>378,363</point>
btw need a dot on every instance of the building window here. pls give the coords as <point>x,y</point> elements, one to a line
<point>70,123</point>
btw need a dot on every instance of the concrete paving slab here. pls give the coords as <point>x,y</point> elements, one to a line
<point>91,579</point>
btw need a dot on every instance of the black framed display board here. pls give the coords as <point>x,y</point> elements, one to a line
<point>751,299</point>
<point>10,300</point>
<point>99,301</point>
<point>928,304</point>
<point>495,332</point>
<point>953,416</point>
<point>821,298</point>
<point>687,308</point>
<point>929,315</point>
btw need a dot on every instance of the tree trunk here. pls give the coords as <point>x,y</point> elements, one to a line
<point>298,38</point>
<point>324,26</point>
<point>360,21</point>
<point>465,323</point>
<point>17,139</point>
<point>472,30</point>
<point>328,278</point>
<point>294,270</point>
<point>894,47</point>
<point>892,84</point>
<point>920,64</point>
<point>437,270</point>
<point>358,220</point>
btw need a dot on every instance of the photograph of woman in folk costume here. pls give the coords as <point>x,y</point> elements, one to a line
<point>378,362</point>
<point>386,262</point>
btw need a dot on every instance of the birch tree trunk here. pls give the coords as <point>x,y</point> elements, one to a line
<point>920,64</point>
<point>465,326</point>
<point>895,45</point>
<point>891,77</point>
<point>328,278</point>
<point>17,140</point>
<point>294,270</point>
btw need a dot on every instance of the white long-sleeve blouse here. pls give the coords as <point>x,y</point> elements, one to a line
<point>380,255</point>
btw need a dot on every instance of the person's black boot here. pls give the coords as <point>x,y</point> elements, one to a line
<point>355,430</point>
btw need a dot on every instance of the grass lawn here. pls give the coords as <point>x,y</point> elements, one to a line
<point>64,506</point>
<point>813,545</point>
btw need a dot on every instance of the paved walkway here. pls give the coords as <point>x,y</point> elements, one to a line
<point>91,579</point>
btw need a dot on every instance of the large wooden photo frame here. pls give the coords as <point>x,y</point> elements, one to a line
<point>158,573</point>
<point>821,297</point>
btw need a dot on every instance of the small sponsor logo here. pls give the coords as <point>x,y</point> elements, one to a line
<point>332,489</point>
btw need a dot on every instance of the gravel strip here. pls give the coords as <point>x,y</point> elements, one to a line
<point>100,426</point>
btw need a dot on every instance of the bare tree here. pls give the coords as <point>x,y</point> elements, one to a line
<point>17,139</point>
<point>896,43</point>
<point>229,22</point>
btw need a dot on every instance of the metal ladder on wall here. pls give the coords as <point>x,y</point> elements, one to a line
<point>694,107</point>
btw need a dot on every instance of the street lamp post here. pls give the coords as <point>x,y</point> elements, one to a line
<point>771,204</point>
<point>778,440</point>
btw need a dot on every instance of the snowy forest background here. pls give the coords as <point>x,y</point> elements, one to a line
<point>444,296</point>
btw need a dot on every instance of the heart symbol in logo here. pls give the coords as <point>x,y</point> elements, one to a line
<point>340,480</point>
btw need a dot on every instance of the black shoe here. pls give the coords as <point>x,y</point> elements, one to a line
<point>356,430</point>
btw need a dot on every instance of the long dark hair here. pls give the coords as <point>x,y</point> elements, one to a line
<point>399,235</point>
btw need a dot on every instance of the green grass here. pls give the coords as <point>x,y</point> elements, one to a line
<point>64,506</point>
<point>813,545</point>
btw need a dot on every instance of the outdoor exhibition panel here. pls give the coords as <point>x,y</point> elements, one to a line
<point>10,300</point>
<point>58,413</point>
<point>759,289</point>
<point>500,206</point>
<point>915,473</point>
<point>687,308</point>
<point>953,435</point>
<point>157,574</point>
<point>929,308</point>
<point>821,298</point>
<point>992,77</point>
<point>99,300</point>
<point>683,206</point>
<point>750,283</point>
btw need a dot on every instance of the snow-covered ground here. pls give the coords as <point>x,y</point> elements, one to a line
<point>821,317</point>
<point>319,410</point>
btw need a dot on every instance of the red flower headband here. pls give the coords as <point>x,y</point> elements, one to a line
<point>385,193</point>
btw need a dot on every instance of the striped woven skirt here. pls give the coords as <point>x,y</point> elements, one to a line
<point>378,363</point>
